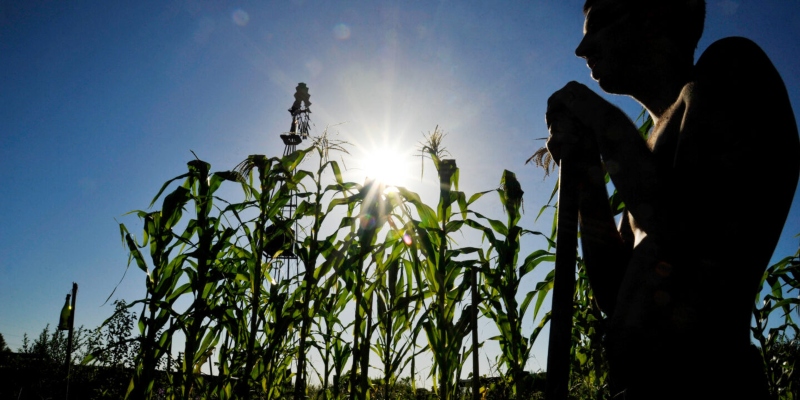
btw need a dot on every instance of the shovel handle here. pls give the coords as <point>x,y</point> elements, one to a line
<point>560,342</point>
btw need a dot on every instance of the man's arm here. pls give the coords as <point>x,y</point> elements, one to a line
<point>577,117</point>
<point>606,250</point>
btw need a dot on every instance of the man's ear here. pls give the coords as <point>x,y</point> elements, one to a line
<point>660,18</point>
<point>655,22</point>
<point>694,3</point>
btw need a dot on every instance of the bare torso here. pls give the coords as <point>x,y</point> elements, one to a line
<point>728,144</point>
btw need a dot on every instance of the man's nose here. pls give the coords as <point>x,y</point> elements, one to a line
<point>582,50</point>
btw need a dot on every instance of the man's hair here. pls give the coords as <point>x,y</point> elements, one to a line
<point>684,18</point>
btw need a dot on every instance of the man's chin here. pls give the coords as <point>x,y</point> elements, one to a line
<point>595,75</point>
<point>608,84</point>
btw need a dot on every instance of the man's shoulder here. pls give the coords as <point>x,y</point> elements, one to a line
<point>737,62</point>
<point>729,48</point>
<point>735,74</point>
<point>737,93</point>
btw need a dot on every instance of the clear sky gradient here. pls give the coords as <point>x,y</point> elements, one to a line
<point>101,102</point>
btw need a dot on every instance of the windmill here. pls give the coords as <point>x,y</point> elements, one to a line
<point>300,119</point>
<point>281,230</point>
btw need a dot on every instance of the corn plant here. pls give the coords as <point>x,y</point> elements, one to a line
<point>440,273</point>
<point>310,250</point>
<point>206,268</point>
<point>259,245</point>
<point>297,307</point>
<point>161,282</point>
<point>588,366</point>
<point>503,277</point>
<point>392,288</point>
<point>775,344</point>
<point>333,350</point>
<point>203,260</point>
<point>398,306</point>
<point>372,215</point>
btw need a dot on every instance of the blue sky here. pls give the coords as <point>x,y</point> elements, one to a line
<point>101,102</point>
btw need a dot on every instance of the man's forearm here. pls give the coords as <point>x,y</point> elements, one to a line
<point>605,251</point>
<point>630,164</point>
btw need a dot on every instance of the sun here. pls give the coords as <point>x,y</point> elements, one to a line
<point>387,165</point>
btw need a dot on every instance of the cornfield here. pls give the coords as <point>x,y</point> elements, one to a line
<point>366,279</point>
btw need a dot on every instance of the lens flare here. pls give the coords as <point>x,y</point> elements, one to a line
<point>368,222</point>
<point>240,17</point>
<point>407,239</point>
<point>341,31</point>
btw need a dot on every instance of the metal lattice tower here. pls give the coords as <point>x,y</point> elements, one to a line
<point>298,131</point>
<point>300,119</point>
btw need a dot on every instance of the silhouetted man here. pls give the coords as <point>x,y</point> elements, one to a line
<point>706,196</point>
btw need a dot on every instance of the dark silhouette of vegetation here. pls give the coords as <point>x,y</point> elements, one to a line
<point>778,343</point>
<point>3,347</point>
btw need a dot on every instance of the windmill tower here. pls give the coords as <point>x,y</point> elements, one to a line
<point>285,232</point>
<point>300,120</point>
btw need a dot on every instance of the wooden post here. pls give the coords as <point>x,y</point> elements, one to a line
<point>476,375</point>
<point>71,324</point>
<point>563,285</point>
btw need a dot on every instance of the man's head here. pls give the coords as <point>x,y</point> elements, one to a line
<point>631,39</point>
<point>684,19</point>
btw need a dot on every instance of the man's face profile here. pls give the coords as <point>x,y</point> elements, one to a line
<point>613,45</point>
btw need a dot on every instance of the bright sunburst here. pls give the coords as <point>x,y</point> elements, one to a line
<point>387,165</point>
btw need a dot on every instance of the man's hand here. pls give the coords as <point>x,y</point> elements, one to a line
<point>574,113</point>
